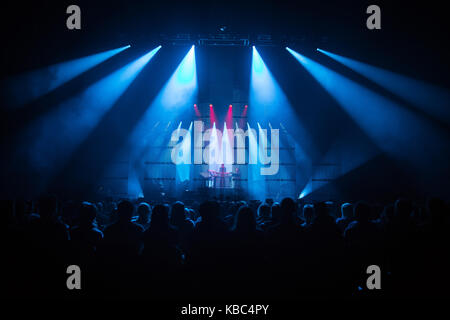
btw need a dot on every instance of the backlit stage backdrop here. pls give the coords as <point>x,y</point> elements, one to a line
<point>185,158</point>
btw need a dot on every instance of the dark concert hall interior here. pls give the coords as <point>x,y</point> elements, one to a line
<point>196,152</point>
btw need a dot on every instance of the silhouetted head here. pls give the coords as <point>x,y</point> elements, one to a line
<point>241,203</point>
<point>276,212</point>
<point>48,207</point>
<point>321,210</point>
<point>125,210</point>
<point>177,214</point>
<point>362,211</point>
<point>308,213</point>
<point>160,217</point>
<point>209,210</point>
<point>346,210</point>
<point>99,206</point>
<point>245,220</point>
<point>402,209</point>
<point>143,212</point>
<point>190,213</point>
<point>88,213</point>
<point>288,208</point>
<point>264,211</point>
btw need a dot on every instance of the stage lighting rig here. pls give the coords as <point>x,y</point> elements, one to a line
<point>179,39</point>
<point>264,40</point>
<point>224,39</point>
<point>227,39</point>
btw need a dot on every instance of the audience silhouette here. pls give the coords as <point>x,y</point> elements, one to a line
<point>227,248</point>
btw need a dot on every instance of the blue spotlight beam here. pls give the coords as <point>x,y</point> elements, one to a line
<point>265,93</point>
<point>430,99</point>
<point>267,99</point>
<point>182,85</point>
<point>56,135</point>
<point>183,168</point>
<point>27,87</point>
<point>175,96</point>
<point>268,102</point>
<point>393,128</point>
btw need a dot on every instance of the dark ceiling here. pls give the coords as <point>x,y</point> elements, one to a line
<point>34,33</point>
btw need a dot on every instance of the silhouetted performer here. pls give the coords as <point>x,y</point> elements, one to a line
<point>222,172</point>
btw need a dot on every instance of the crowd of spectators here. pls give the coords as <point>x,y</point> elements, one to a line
<point>226,249</point>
